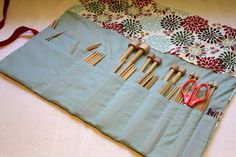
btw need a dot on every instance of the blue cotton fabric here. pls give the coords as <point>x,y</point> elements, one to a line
<point>141,119</point>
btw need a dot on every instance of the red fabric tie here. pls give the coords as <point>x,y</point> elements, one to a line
<point>17,32</point>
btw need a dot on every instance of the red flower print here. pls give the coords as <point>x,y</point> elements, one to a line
<point>141,3</point>
<point>229,31</point>
<point>210,63</point>
<point>114,26</point>
<point>174,51</point>
<point>194,24</point>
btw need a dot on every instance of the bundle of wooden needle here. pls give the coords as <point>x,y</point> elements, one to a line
<point>148,80</point>
<point>94,58</point>
<point>127,72</point>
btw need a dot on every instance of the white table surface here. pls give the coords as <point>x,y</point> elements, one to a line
<point>33,127</point>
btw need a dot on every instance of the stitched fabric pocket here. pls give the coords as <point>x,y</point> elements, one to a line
<point>96,102</point>
<point>75,86</point>
<point>172,131</point>
<point>185,134</point>
<point>120,108</point>
<point>200,138</point>
<point>141,123</point>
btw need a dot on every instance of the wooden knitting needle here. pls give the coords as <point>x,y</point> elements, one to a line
<point>54,36</point>
<point>89,57</point>
<point>157,61</point>
<point>74,47</point>
<point>124,71</point>
<point>92,59</point>
<point>172,70</point>
<point>147,79</point>
<point>98,60</point>
<point>165,88</point>
<point>172,92</point>
<point>130,72</point>
<point>131,47</point>
<point>118,66</point>
<point>94,46</point>
<point>151,82</point>
<point>150,58</point>
<point>141,80</point>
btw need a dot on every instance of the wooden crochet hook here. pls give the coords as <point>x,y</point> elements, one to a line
<point>92,47</point>
<point>156,62</point>
<point>131,47</point>
<point>150,58</point>
<point>174,68</point>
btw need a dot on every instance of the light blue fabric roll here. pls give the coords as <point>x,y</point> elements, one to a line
<point>142,119</point>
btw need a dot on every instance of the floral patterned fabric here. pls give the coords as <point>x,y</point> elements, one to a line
<point>190,37</point>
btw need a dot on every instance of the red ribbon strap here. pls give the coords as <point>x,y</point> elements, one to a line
<point>17,32</point>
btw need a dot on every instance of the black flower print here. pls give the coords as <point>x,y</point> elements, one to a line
<point>182,38</point>
<point>131,27</point>
<point>118,6</point>
<point>228,60</point>
<point>95,7</point>
<point>171,22</point>
<point>210,35</point>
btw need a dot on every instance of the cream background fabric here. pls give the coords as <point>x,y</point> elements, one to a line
<point>32,127</point>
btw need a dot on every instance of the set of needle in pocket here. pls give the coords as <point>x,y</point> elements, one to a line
<point>190,93</point>
<point>149,66</point>
<point>92,59</point>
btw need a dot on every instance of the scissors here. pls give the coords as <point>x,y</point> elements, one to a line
<point>191,97</point>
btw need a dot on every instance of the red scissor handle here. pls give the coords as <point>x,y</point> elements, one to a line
<point>187,95</point>
<point>194,99</point>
